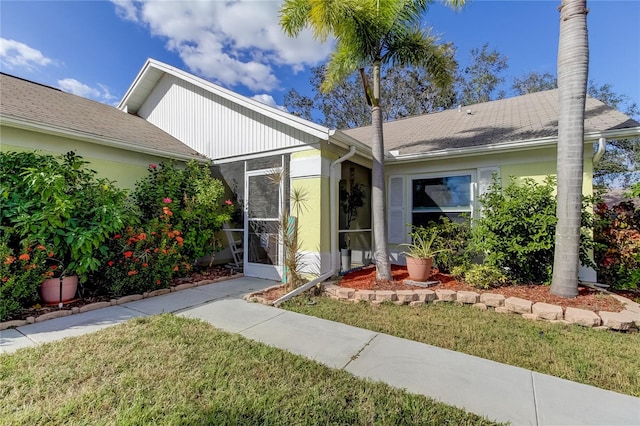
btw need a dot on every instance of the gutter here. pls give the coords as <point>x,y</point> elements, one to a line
<point>98,140</point>
<point>334,235</point>
<point>510,146</point>
<point>602,148</point>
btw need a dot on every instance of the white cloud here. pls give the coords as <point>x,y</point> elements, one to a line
<point>230,43</point>
<point>100,94</point>
<point>268,100</point>
<point>14,54</point>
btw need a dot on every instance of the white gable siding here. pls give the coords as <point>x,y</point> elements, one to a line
<point>214,126</point>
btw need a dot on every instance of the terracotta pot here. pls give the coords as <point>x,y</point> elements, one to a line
<point>419,269</point>
<point>50,289</point>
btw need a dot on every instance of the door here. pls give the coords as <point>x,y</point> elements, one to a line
<point>263,256</point>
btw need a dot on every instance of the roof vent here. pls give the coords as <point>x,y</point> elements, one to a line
<point>469,111</point>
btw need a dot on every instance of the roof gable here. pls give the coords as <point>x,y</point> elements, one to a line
<point>153,71</point>
<point>42,108</point>
<point>527,118</point>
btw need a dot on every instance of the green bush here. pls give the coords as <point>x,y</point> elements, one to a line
<point>485,277</point>
<point>516,232</point>
<point>60,203</point>
<point>452,244</point>
<point>195,198</point>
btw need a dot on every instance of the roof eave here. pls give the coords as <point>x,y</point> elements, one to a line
<point>509,146</point>
<point>99,140</point>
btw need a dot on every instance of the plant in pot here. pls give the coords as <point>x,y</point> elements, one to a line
<point>60,203</point>
<point>419,253</point>
<point>350,201</point>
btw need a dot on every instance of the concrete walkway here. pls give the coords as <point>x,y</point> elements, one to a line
<point>497,391</point>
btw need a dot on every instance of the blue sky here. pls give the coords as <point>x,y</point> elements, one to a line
<point>96,48</point>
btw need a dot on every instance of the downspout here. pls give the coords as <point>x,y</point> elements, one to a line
<point>334,233</point>
<point>602,148</point>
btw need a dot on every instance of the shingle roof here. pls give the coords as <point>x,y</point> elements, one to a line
<point>54,109</point>
<point>522,118</point>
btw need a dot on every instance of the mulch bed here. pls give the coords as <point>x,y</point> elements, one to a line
<point>588,298</point>
<point>210,273</point>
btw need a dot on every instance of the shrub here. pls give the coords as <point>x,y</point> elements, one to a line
<point>452,243</point>
<point>485,277</point>
<point>22,273</point>
<point>617,251</point>
<point>517,230</point>
<point>59,202</point>
<point>141,259</point>
<point>196,200</point>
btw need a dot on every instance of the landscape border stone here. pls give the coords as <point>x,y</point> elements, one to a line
<point>98,305</point>
<point>538,311</point>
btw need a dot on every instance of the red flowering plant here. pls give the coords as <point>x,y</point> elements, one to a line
<point>143,258</point>
<point>22,273</point>
<point>617,251</point>
<point>196,199</point>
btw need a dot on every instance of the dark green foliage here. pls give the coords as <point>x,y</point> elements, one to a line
<point>60,203</point>
<point>517,230</point>
<point>452,244</point>
<point>195,198</point>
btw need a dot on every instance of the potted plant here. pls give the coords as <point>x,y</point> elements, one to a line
<point>419,254</point>
<point>350,202</point>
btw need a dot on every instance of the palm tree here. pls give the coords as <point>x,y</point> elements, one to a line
<point>372,33</point>
<point>573,65</point>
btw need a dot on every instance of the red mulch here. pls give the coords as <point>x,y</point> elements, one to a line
<point>588,298</point>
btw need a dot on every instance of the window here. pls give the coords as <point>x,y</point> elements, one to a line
<point>434,197</point>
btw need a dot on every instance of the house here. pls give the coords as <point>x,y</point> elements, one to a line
<point>119,146</point>
<point>437,163</point>
<point>263,154</point>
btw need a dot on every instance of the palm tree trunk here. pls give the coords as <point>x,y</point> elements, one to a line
<point>378,202</point>
<point>573,65</point>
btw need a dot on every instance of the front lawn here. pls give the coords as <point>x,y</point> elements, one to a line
<point>172,370</point>
<point>605,359</point>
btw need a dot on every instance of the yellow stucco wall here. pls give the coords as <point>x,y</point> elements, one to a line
<point>314,220</point>
<point>538,171</point>
<point>124,167</point>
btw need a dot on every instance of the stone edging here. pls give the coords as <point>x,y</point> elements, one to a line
<point>628,319</point>
<point>119,301</point>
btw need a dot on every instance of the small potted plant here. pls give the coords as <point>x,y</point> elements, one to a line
<point>419,254</point>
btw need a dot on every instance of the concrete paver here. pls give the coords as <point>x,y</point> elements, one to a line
<point>225,315</point>
<point>498,391</point>
<point>562,402</point>
<point>78,324</point>
<point>330,343</point>
<point>12,340</point>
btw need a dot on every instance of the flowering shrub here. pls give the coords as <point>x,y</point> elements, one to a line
<point>142,259</point>
<point>60,202</point>
<point>617,237</point>
<point>22,274</point>
<point>195,198</point>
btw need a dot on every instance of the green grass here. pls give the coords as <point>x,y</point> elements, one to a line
<point>608,360</point>
<point>172,370</point>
